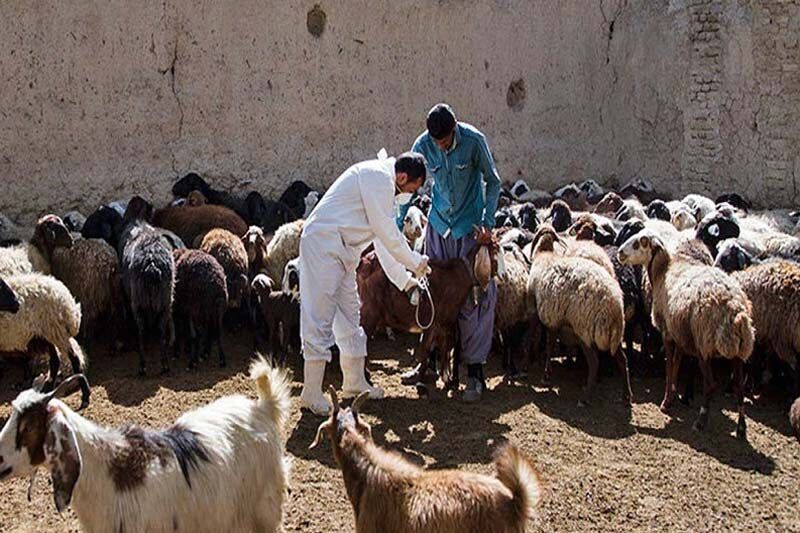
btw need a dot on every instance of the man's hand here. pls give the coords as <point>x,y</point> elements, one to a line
<point>422,269</point>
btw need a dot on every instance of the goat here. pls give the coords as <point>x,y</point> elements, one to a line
<point>225,458</point>
<point>391,495</point>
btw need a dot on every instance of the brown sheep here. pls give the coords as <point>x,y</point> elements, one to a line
<point>190,222</point>
<point>391,495</point>
<point>700,311</point>
<point>229,250</point>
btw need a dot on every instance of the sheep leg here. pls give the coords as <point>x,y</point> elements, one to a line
<point>140,326</point>
<point>54,363</point>
<point>218,333</point>
<point>672,360</point>
<point>549,350</point>
<point>193,346</point>
<point>167,332</point>
<point>622,364</point>
<point>708,390</point>
<point>593,361</point>
<point>739,383</point>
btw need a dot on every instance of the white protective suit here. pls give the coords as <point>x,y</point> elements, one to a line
<point>357,210</point>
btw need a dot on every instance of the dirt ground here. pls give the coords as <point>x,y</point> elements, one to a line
<point>606,467</point>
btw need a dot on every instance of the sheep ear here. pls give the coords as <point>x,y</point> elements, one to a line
<point>63,456</point>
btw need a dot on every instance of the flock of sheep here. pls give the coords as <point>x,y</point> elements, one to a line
<point>579,271</point>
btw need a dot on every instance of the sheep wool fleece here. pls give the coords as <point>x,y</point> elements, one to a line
<point>356,210</point>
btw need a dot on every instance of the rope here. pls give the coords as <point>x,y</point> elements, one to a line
<point>425,288</point>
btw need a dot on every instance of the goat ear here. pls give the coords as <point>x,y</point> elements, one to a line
<point>358,403</point>
<point>63,456</point>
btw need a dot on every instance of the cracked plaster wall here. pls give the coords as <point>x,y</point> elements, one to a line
<point>102,100</point>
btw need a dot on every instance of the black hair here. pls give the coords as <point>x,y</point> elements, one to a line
<point>412,164</point>
<point>441,121</point>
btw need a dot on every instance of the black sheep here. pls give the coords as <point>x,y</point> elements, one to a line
<point>148,277</point>
<point>658,209</point>
<point>201,297</point>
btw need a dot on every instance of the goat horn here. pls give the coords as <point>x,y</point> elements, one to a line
<point>58,391</point>
<point>318,438</point>
<point>359,401</point>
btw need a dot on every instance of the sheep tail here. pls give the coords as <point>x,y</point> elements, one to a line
<point>273,388</point>
<point>743,328</point>
<point>516,472</point>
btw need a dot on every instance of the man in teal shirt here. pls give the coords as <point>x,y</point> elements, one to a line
<point>464,195</point>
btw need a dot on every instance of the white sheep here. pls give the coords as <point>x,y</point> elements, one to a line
<point>35,254</point>
<point>699,205</point>
<point>284,246</point>
<point>221,467</point>
<point>699,311</point>
<point>47,313</point>
<point>576,298</point>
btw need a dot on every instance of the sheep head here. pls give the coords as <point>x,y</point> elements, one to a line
<point>343,420</point>
<point>544,239</point>
<point>38,434</point>
<point>8,299</point>
<point>683,219</point>
<point>639,249</point>
<point>255,243</point>
<point>560,215</point>
<point>584,228</point>
<point>51,233</point>
<point>609,203</point>
<point>195,198</point>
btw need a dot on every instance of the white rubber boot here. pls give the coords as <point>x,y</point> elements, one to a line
<point>312,397</point>
<point>354,382</point>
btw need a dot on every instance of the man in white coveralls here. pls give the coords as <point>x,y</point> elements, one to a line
<point>358,209</point>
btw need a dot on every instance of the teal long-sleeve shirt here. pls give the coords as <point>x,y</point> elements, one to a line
<point>459,199</point>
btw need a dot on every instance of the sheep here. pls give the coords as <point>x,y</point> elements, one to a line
<point>517,236</point>
<point>230,251</point>
<point>251,207</point>
<point>103,223</point>
<point>255,244</point>
<point>414,224</point>
<point>226,458</point>
<point>700,311</point>
<point>683,218</point>
<point>732,256</point>
<point>74,221</point>
<point>560,215</point>
<point>189,222</point>
<point>512,314</point>
<point>574,197</point>
<point>641,189</point>
<point>736,200</point>
<point>773,288</point>
<point>284,246</point>
<point>794,418</point>
<point>90,270</point>
<point>631,208</point>
<point>594,192</point>
<point>281,314</point>
<point>47,314</point>
<point>699,205</point>
<point>201,296</point>
<point>576,297</point>
<point>659,210</point>
<point>609,204</point>
<point>13,233</point>
<point>391,495</point>
<point>148,277</point>
<point>294,197</point>
<point>36,254</point>
<point>519,188</point>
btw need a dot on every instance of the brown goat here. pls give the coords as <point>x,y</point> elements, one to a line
<point>391,495</point>
<point>189,222</point>
<point>451,282</point>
